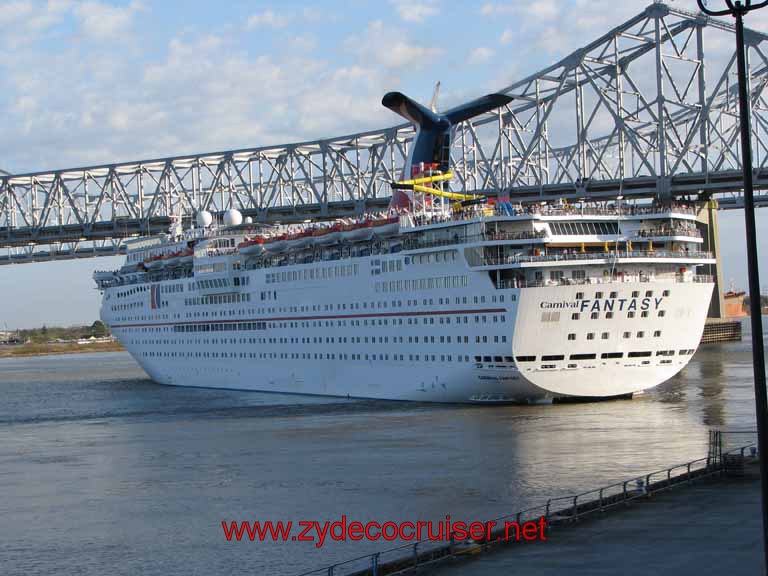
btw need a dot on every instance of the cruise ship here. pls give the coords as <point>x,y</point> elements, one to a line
<point>442,298</point>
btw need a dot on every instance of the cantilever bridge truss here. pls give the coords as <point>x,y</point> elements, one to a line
<point>643,111</point>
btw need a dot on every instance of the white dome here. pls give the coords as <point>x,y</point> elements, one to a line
<point>233,217</point>
<point>248,220</point>
<point>204,219</point>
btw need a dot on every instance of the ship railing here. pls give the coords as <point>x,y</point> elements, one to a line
<point>581,256</point>
<point>559,511</point>
<point>418,243</point>
<point>656,232</point>
<point>510,283</point>
<point>507,209</point>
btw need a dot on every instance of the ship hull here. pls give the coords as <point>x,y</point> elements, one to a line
<point>328,354</point>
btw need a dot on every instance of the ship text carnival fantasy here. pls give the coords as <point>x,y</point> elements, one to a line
<point>442,299</point>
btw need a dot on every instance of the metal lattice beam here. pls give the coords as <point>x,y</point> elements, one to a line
<point>640,112</point>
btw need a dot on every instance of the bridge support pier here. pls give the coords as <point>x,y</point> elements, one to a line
<point>707,219</point>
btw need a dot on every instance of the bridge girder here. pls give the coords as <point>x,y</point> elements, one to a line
<point>640,112</point>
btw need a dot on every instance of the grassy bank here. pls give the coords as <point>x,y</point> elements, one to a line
<point>67,348</point>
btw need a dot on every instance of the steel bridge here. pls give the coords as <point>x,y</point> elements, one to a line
<point>640,112</point>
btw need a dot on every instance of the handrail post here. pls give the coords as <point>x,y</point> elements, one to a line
<point>575,507</point>
<point>625,491</point>
<point>375,564</point>
<point>547,512</point>
<point>331,569</point>
<point>689,472</point>
<point>601,499</point>
<point>416,554</point>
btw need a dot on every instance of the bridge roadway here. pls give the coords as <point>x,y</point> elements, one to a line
<point>648,123</point>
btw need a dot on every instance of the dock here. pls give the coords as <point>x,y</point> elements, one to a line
<point>699,517</point>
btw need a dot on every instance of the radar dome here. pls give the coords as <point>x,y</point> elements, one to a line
<point>204,219</point>
<point>248,220</point>
<point>233,217</point>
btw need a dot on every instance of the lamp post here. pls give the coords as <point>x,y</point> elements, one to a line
<point>738,9</point>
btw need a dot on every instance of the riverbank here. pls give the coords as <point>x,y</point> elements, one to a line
<point>58,348</point>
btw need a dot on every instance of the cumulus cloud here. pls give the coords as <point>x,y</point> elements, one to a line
<point>267,18</point>
<point>480,54</point>
<point>391,48</point>
<point>105,21</point>
<point>416,11</point>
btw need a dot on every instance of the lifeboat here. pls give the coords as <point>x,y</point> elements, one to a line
<point>327,236</point>
<point>357,232</point>
<point>185,256</point>
<point>299,240</point>
<point>276,244</point>
<point>173,259</point>
<point>154,262</point>
<point>386,228</point>
<point>252,245</point>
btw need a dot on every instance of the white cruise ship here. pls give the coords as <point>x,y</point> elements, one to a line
<point>442,299</point>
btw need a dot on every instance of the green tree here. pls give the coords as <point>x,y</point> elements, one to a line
<point>99,329</point>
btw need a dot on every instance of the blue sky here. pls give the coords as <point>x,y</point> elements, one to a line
<point>87,82</point>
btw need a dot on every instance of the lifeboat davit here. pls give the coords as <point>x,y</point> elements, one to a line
<point>276,244</point>
<point>386,228</point>
<point>357,232</point>
<point>252,245</point>
<point>327,236</point>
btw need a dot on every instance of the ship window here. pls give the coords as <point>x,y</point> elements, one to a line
<point>598,295</point>
<point>630,314</point>
<point>644,354</point>
<point>614,295</point>
<point>607,355</point>
<point>665,293</point>
<point>609,315</point>
<point>627,334</point>
<point>498,359</point>
<point>635,294</point>
<point>661,313</point>
<point>605,335</point>
<point>582,356</point>
<point>486,358</point>
<point>657,334</point>
<point>579,296</point>
<point>595,315</point>
<point>552,358</point>
<point>575,316</point>
<point>571,336</point>
<point>644,314</point>
<point>518,358</point>
<point>591,336</point>
<point>648,293</point>
<point>506,358</point>
<point>641,334</point>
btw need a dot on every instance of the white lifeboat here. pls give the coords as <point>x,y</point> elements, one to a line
<point>276,244</point>
<point>357,232</point>
<point>327,236</point>
<point>252,246</point>
<point>386,228</point>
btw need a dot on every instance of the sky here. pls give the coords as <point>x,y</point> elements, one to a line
<point>86,82</point>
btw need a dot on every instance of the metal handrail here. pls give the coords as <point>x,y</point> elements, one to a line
<point>604,498</point>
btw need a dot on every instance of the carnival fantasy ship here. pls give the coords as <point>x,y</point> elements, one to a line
<point>443,298</point>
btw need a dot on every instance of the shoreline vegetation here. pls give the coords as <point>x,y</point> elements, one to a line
<point>58,340</point>
<point>46,349</point>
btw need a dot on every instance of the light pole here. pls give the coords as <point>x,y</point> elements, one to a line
<point>738,9</point>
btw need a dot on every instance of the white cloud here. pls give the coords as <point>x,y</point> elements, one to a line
<point>268,18</point>
<point>391,48</point>
<point>539,9</point>
<point>480,54</point>
<point>416,11</point>
<point>507,36</point>
<point>104,21</point>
